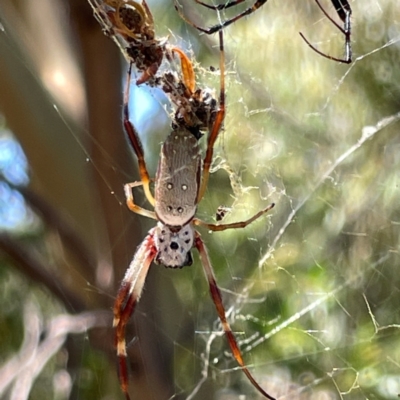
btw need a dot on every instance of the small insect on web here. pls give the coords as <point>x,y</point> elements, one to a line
<point>179,186</point>
<point>342,8</point>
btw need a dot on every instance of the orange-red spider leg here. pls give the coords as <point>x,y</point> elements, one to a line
<point>136,143</point>
<point>127,298</point>
<point>217,299</point>
<point>219,118</point>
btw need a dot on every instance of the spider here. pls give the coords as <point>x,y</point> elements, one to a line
<point>342,8</point>
<point>179,186</point>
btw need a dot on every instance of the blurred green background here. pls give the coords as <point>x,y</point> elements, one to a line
<point>312,290</point>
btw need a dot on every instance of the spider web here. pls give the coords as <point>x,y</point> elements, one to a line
<point>312,289</point>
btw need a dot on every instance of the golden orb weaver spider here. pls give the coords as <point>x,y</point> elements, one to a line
<point>180,183</point>
<point>182,177</point>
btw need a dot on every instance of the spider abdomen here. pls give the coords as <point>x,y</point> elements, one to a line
<point>173,246</point>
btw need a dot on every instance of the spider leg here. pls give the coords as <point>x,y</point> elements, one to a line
<point>136,143</point>
<point>148,12</point>
<point>222,6</point>
<point>217,299</point>
<point>222,25</point>
<point>127,298</point>
<point>343,10</point>
<point>234,225</point>
<point>219,118</point>
<point>130,201</point>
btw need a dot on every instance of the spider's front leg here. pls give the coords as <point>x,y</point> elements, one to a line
<point>127,298</point>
